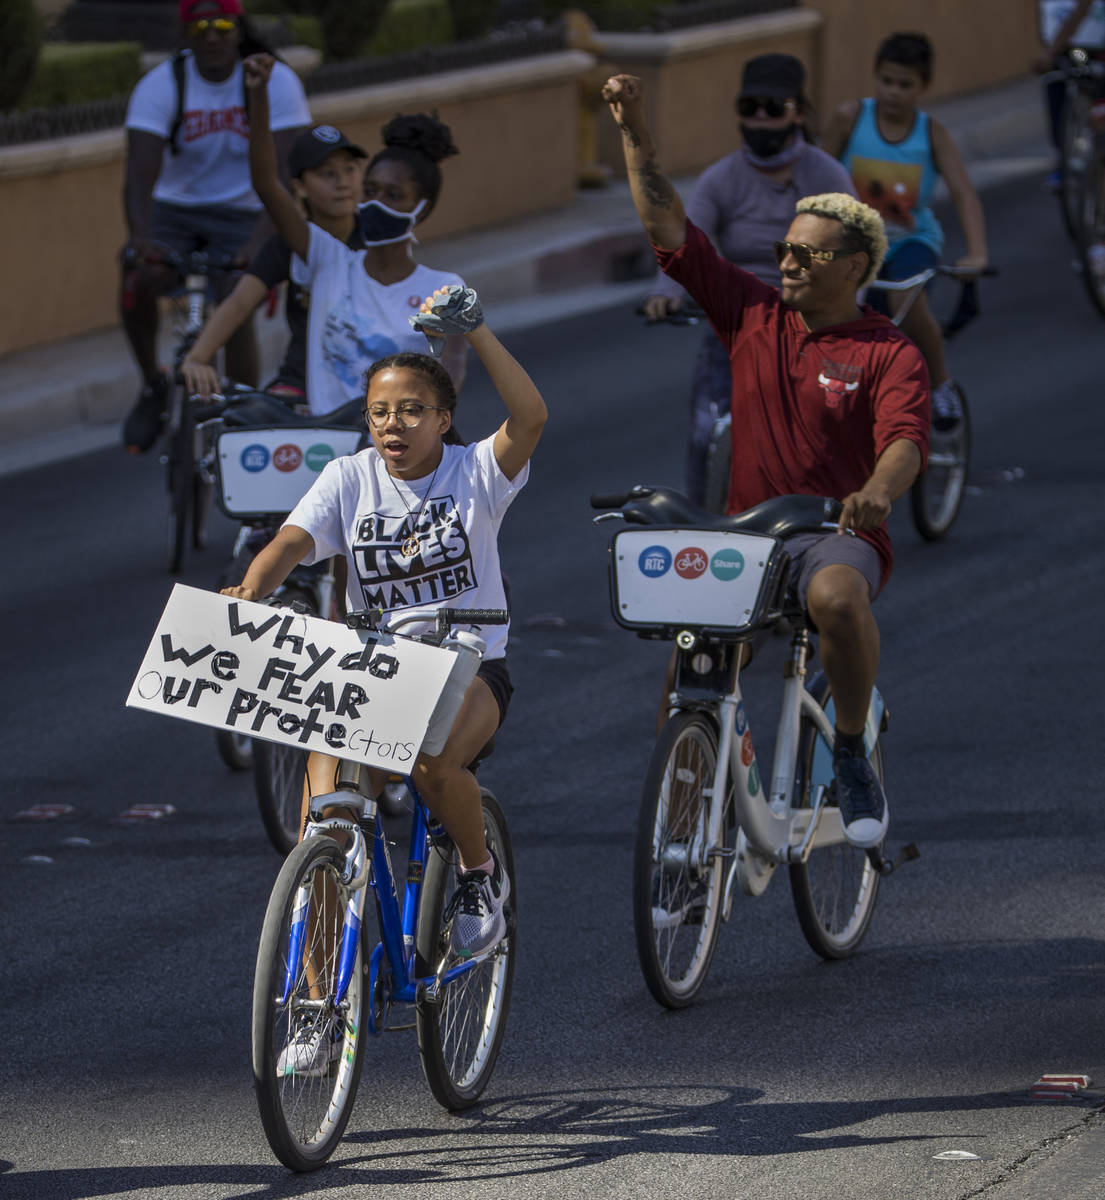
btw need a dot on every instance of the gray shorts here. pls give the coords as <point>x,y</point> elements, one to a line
<point>222,231</point>
<point>809,552</point>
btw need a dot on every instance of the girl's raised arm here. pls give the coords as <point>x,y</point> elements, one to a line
<point>263,172</point>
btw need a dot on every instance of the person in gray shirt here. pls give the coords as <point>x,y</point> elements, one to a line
<point>745,203</point>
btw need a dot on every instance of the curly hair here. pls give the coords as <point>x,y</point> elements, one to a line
<point>861,226</point>
<point>420,141</point>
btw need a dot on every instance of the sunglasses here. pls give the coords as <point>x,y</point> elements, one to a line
<point>805,255</point>
<point>771,106</point>
<point>218,24</point>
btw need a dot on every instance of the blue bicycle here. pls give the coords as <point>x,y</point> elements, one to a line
<point>319,985</point>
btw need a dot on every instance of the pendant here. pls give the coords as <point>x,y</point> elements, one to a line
<point>409,548</point>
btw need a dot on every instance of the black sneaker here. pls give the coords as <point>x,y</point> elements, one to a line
<point>475,916</point>
<point>947,408</point>
<point>145,419</point>
<point>859,796</point>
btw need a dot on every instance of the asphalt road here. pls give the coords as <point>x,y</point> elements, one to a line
<point>128,948</point>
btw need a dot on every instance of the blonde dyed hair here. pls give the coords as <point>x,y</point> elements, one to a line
<point>861,226</point>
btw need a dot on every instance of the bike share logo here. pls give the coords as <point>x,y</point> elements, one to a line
<point>726,565</point>
<point>318,456</point>
<point>655,561</point>
<point>690,563</point>
<point>255,458</point>
<point>287,457</point>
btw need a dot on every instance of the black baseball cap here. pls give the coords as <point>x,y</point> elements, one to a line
<point>779,75</point>
<point>312,148</point>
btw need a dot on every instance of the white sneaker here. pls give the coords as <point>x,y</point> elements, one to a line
<point>310,1050</point>
<point>475,913</point>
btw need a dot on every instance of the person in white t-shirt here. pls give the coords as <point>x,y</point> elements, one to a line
<point>417,520</point>
<point>187,183</point>
<point>361,299</point>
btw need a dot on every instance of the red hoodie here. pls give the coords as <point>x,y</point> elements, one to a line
<point>812,412</point>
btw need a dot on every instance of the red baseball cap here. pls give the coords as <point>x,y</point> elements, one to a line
<point>225,8</point>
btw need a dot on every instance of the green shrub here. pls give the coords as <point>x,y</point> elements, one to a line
<point>20,38</point>
<point>410,25</point>
<point>76,72</point>
<point>307,31</point>
<point>347,25</point>
<point>472,18</point>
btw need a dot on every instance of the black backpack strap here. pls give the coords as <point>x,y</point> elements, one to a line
<point>178,118</point>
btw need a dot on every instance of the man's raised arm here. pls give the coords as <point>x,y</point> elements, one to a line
<point>658,203</point>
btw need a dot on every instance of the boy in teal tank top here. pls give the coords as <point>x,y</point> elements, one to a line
<point>894,153</point>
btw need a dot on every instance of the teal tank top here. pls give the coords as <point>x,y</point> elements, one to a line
<point>896,178</point>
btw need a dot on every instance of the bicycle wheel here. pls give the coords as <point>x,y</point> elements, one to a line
<point>1091,233</point>
<point>1076,149</point>
<point>203,495</point>
<point>305,1107</point>
<point>278,772</point>
<point>718,455</point>
<point>181,455</point>
<point>937,492</point>
<point>835,889</point>
<point>235,749</point>
<point>676,905</point>
<point>460,1033</point>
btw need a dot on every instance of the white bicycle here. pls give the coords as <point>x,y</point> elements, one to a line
<point>709,822</point>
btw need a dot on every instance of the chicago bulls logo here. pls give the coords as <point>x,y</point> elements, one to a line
<point>838,380</point>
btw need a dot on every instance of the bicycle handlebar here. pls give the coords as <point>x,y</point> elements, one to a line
<point>444,619</point>
<point>965,274</point>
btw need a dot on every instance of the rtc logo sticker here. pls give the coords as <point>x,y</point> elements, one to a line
<point>255,458</point>
<point>690,563</point>
<point>740,718</point>
<point>747,753</point>
<point>318,456</point>
<point>654,561</point>
<point>286,457</point>
<point>754,779</point>
<point>839,380</point>
<point>726,565</point>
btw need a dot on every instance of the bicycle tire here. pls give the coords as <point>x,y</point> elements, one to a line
<point>675,955</point>
<point>304,1115</point>
<point>278,772</point>
<point>181,453</point>
<point>203,496</point>
<point>835,889</point>
<point>719,452</point>
<point>235,749</point>
<point>461,1032</point>
<point>1076,143</point>
<point>937,493</point>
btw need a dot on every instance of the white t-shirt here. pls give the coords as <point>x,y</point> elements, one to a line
<point>356,509</point>
<point>212,167</point>
<point>353,321</point>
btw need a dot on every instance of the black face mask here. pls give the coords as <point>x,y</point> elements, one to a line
<point>766,143</point>
<point>381,225</point>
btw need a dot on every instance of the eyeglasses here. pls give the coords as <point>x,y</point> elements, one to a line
<point>805,255</point>
<point>218,24</point>
<point>408,415</point>
<point>772,106</point>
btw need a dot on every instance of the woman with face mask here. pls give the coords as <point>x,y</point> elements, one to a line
<point>360,297</point>
<point>745,203</point>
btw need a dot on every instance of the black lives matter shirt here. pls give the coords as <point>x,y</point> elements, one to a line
<point>358,510</point>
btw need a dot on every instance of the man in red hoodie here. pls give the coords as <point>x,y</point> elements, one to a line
<point>829,399</point>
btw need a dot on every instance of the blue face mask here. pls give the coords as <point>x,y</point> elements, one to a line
<point>381,225</point>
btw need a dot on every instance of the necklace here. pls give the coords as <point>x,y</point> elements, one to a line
<point>409,546</point>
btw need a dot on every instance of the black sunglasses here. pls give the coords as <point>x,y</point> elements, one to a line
<point>771,106</point>
<point>805,255</point>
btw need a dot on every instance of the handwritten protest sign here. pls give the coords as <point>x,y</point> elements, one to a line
<point>274,674</point>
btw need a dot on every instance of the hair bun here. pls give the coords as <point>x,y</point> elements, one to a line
<point>421,133</point>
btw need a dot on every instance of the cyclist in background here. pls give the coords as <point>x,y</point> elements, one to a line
<point>829,400</point>
<point>894,153</point>
<point>1064,25</point>
<point>405,170</point>
<point>187,183</point>
<point>744,203</point>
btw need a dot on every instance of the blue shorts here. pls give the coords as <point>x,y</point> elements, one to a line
<point>809,552</point>
<point>904,260</point>
<point>222,231</point>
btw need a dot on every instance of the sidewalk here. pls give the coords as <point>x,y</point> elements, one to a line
<point>70,397</point>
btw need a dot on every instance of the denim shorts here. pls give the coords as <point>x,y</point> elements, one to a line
<point>222,231</point>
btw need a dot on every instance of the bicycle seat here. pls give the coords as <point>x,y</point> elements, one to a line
<point>779,517</point>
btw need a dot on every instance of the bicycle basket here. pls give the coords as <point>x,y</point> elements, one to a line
<point>264,470</point>
<point>664,580</point>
